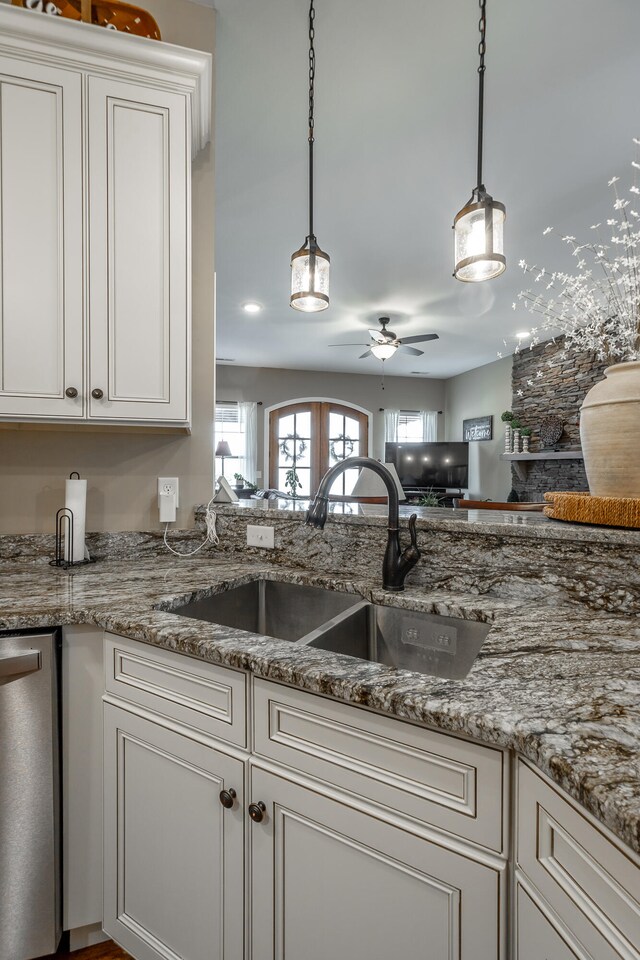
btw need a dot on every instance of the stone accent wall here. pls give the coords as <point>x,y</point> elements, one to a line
<point>560,392</point>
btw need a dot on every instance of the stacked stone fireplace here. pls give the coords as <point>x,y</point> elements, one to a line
<point>559,392</point>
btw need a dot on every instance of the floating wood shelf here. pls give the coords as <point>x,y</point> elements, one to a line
<point>521,461</point>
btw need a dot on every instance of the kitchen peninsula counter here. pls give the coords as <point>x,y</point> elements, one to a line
<point>555,680</point>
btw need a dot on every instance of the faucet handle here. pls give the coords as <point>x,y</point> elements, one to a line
<point>412,530</point>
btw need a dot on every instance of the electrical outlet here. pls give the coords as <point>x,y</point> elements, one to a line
<point>260,537</point>
<point>168,486</point>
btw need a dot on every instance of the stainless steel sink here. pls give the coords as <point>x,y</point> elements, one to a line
<point>343,623</point>
<point>405,639</point>
<point>285,611</point>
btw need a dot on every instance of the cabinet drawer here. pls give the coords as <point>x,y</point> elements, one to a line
<point>591,882</point>
<point>201,695</point>
<point>432,777</point>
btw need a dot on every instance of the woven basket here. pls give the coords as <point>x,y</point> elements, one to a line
<point>113,14</point>
<point>600,511</point>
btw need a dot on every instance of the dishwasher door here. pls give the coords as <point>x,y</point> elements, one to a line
<point>30,909</point>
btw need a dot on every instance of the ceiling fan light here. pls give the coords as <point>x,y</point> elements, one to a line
<point>310,278</point>
<point>383,351</point>
<point>479,240</point>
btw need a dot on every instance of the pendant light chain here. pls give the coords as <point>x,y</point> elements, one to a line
<point>312,81</point>
<point>482,49</point>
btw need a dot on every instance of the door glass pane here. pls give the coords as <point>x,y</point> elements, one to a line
<point>286,425</point>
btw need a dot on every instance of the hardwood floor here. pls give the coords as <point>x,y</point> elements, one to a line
<point>101,951</point>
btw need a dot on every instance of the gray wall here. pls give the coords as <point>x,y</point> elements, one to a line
<point>273,386</point>
<point>122,465</point>
<point>477,393</point>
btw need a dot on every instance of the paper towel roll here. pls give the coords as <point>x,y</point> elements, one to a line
<point>76,501</point>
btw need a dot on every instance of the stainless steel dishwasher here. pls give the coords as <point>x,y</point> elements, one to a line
<point>30,909</point>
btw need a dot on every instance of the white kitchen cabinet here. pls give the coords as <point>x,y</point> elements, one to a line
<point>41,315</point>
<point>333,880</point>
<point>139,226</point>
<point>174,855</point>
<point>584,874</point>
<point>97,136</point>
<point>536,937</point>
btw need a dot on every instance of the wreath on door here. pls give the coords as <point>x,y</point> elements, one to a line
<point>292,448</point>
<point>348,447</point>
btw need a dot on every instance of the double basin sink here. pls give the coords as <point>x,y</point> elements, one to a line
<point>346,624</point>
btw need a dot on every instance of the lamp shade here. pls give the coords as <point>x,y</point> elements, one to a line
<point>223,449</point>
<point>369,484</point>
<point>385,350</point>
<point>479,241</point>
<point>310,279</point>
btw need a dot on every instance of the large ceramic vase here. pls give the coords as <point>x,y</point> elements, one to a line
<point>610,432</point>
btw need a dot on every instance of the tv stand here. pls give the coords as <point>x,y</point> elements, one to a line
<point>445,495</point>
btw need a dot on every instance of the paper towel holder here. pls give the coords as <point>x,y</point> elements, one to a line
<point>64,531</point>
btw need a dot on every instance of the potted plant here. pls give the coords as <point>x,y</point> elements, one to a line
<point>516,427</point>
<point>506,418</point>
<point>242,484</point>
<point>525,433</point>
<point>597,309</point>
<point>429,499</point>
<point>292,482</point>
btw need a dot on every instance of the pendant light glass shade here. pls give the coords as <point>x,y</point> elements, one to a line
<point>479,240</point>
<point>383,350</point>
<point>310,278</point>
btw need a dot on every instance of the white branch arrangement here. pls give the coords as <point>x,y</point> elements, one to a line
<point>597,308</point>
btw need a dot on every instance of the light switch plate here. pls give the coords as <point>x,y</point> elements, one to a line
<point>260,537</point>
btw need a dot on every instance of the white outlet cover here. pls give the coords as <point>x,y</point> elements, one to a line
<point>169,485</point>
<point>260,537</point>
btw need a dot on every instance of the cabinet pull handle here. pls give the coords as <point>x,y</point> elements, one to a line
<point>256,811</point>
<point>71,392</point>
<point>227,798</point>
<point>97,394</point>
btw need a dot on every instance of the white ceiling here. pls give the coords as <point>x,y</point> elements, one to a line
<point>395,146</point>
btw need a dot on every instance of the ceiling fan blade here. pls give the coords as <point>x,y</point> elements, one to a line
<point>411,350</point>
<point>422,338</point>
<point>363,355</point>
<point>377,336</point>
<point>347,344</point>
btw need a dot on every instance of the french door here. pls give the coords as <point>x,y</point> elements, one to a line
<point>309,437</point>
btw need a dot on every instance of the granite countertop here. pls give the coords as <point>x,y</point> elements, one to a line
<point>563,688</point>
<point>522,524</point>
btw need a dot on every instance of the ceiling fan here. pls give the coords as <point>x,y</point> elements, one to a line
<point>384,343</point>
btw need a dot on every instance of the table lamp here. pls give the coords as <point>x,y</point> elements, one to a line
<point>223,450</point>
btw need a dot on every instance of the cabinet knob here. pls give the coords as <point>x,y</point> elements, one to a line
<point>227,798</point>
<point>71,392</point>
<point>256,811</point>
<point>97,394</point>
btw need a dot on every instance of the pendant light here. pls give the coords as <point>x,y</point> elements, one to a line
<point>479,226</point>
<point>309,264</point>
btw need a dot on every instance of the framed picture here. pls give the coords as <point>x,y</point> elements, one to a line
<point>480,428</point>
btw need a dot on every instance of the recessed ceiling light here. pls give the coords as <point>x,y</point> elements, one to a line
<point>252,307</point>
<point>523,335</point>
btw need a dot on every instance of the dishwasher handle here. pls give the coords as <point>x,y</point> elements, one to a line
<point>18,663</point>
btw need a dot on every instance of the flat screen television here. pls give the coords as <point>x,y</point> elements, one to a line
<point>424,465</point>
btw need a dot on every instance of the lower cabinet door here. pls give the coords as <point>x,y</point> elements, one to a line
<point>173,865</point>
<point>332,881</point>
<point>536,938</point>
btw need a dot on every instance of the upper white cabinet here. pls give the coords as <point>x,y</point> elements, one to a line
<point>95,197</point>
<point>138,252</point>
<point>41,314</point>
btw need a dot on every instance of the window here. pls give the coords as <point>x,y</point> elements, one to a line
<point>311,436</point>
<point>237,423</point>
<point>411,426</point>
